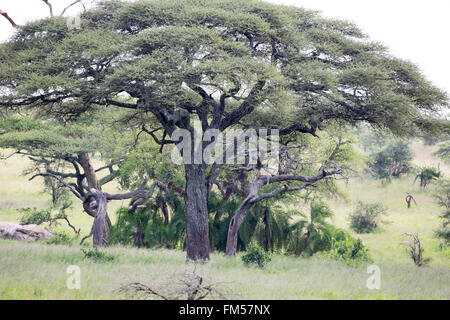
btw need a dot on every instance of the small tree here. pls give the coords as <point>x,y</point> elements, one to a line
<point>367,217</point>
<point>415,249</point>
<point>427,175</point>
<point>391,162</point>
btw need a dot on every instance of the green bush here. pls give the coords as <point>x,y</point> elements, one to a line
<point>367,217</point>
<point>442,196</point>
<point>427,175</point>
<point>350,250</point>
<point>255,255</point>
<point>60,238</point>
<point>97,255</point>
<point>34,216</point>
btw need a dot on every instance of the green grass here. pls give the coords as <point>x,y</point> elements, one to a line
<point>38,271</point>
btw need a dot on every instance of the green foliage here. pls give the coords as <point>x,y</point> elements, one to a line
<point>97,255</point>
<point>444,151</point>
<point>444,231</point>
<point>350,250</point>
<point>392,161</point>
<point>367,217</point>
<point>60,238</point>
<point>35,216</point>
<point>442,196</point>
<point>310,236</point>
<point>427,175</point>
<point>255,255</point>
<point>146,227</point>
<point>146,49</point>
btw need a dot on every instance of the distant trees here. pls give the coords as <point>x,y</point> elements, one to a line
<point>391,162</point>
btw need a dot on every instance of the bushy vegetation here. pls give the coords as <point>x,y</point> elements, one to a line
<point>427,175</point>
<point>351,251</point>
<point>60,238</point>
<point>255,255</point>
<point>391,162</point>
<point>415,249</point>
<point>442,196</point>
<point>97,255</point>
<point>149,227</point>
<point>367,217</point>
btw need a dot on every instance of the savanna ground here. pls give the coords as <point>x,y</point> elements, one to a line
<point>38,271</point>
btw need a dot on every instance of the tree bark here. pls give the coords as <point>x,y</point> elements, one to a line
<point>235,224</point>
<point>266,229</point>
<point>100,229</point>
<point>89,171</point>
<point>196,213</point>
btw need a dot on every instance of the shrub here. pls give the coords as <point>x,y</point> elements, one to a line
<point>415,249</point>
<point>427,175</point>
<point>97,255</point>
<point>34,216</point>
<point>444,231</point>
<point>60,238</point>
<point>367,217</point>
<point>255,255</point>
<point>442,196</point>
<point>351,250</point>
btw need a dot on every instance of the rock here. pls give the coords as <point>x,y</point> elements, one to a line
<point>16,231</point>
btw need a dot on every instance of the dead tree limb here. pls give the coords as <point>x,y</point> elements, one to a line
<point>7,17</point>
<point>50,7</point>
<point>71,5</point>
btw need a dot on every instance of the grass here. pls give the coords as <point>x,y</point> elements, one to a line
<point>38,271</point>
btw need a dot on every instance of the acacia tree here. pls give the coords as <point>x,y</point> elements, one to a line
<point>227,63</point>
<point>64,154</point>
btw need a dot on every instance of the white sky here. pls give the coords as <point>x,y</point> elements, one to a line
<point>414,30</point>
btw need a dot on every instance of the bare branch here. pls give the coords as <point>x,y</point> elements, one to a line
<point>7,17</point>
<point>65,184</point>
<point>283,189</point>
<point>72,4</point>
<point>50,7</point>
<point>152,133</point>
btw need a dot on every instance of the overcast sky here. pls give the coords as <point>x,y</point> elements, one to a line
<point>415,30</point>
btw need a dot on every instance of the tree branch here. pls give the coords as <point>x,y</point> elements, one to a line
<point>72,4</point>
<point>65,184</point>
<point>127,195</point>
<point>49,7</point>
<point>7,17</point>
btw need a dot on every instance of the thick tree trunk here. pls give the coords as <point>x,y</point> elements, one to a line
<point>196,213</point>
<point>100,229</point>
<point>100,234</point>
